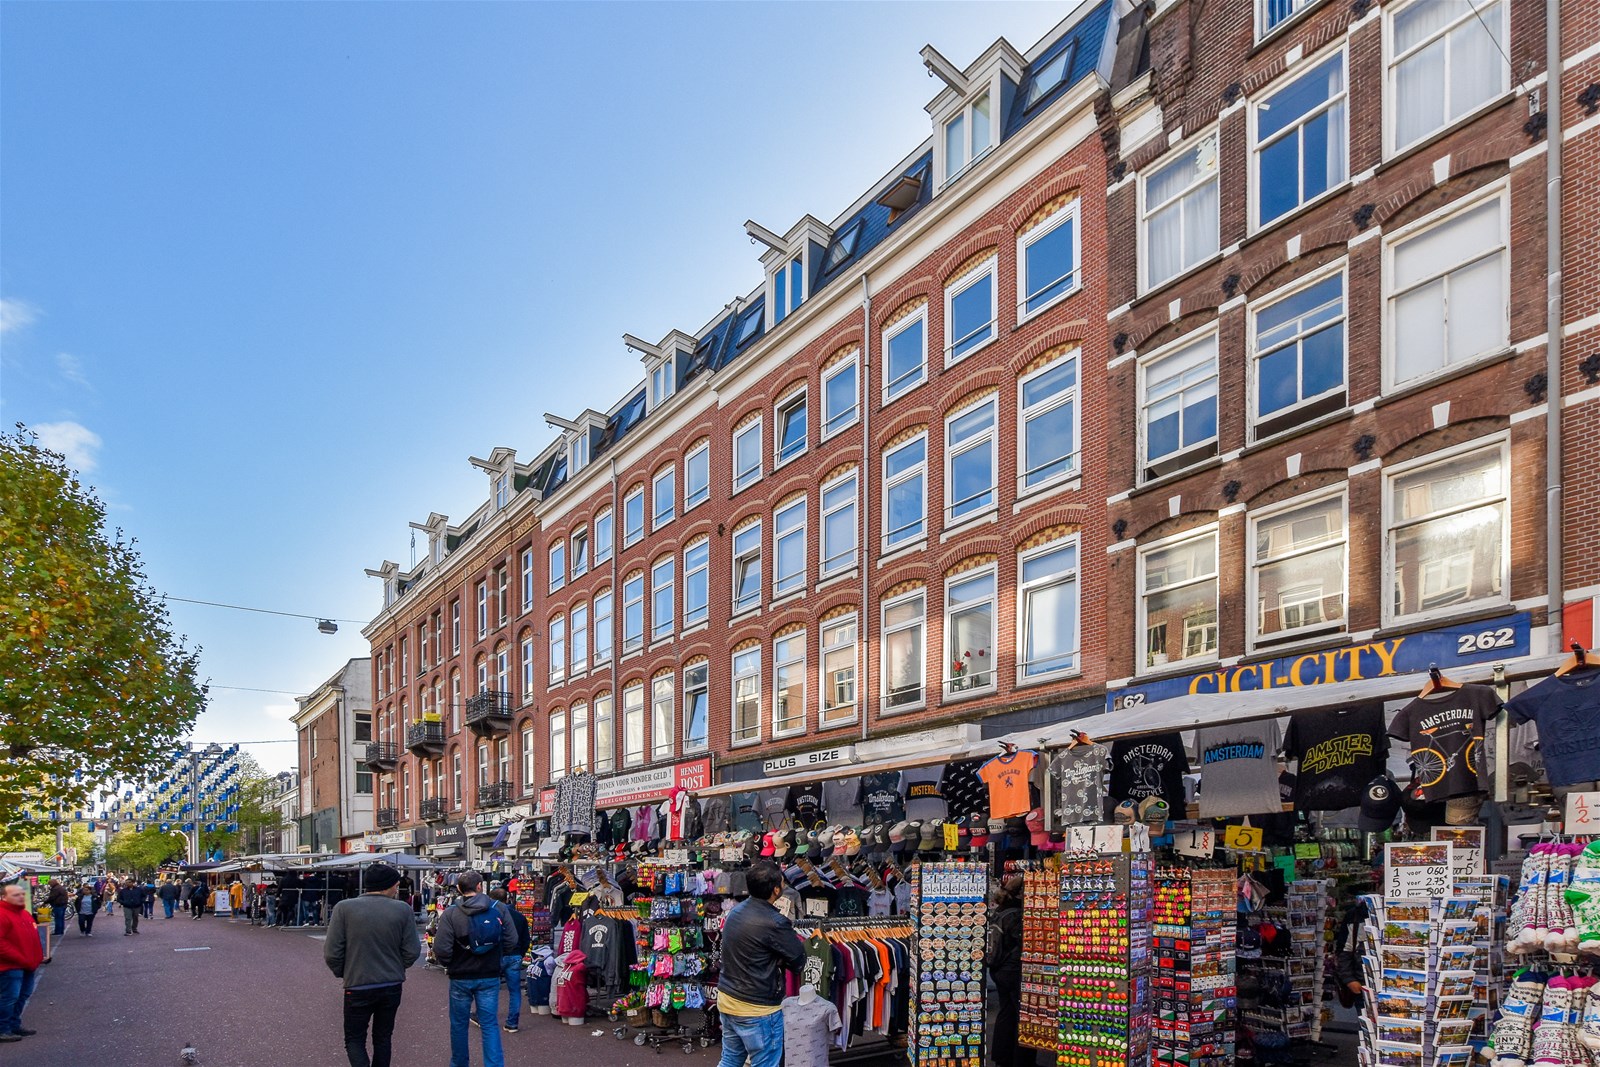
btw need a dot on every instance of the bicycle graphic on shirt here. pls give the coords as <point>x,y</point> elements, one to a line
<point>1433,766</point>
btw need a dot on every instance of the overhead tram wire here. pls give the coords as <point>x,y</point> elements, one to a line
<point>262,611</point>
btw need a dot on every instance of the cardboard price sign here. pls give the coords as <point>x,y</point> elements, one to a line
<point>1467,841</point>
<point>1242,838</point>
<point>678,856</point>
<point>1198,843</point>
<point>1583,813</point>
<point>1417,871</point>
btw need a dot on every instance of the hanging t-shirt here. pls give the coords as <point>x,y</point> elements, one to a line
<point>880,902</point>
<point>964,792</point>
<point>1339,750</point>
<point>1151,766</point>
<point>747,812</point>
<point>880,797</point>
<point>774,807</point>
<point>1239,769</point>
<point>1078,786</point>
<point>818,968</point>
<point>923,799</point>
<point>1009,778</point>
<point>808,1029</point>
<point>841,801</point>
<point>674,812</point>
<point>716,815</point>
<point>1567,710</point>
<point>1445,732</point>
<point>805,802</point>
<point>644,823</point>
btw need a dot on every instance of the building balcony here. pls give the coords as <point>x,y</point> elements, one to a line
<point>425,738</point>
<point>497,795</point>
<point>489,712</point>
<point>387,818</point>
<point>382,754</point>
<point>433,811</point>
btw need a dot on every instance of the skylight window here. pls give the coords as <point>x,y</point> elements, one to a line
<point>843,247</point>
<point>748,327</point>
<point>1050,75</point>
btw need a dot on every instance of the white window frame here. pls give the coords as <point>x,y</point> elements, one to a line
<point>841,420</point>
<point>527,579</point>
<point>890,541</point>
<point>781,285</point>
<point>603,623</point>
<point>1391,62</point>
<point>785,532</point>
<point>963,115</point>
<point>529,755</point>
<point>988,268</point>
<point>898,387</point>
<point>558,745</point>
<point>1279,85</point>
<point>578,639</point>
<point>455,626</point>
<point>663,589</point>
<point>659,516</point>
<point>750,536</point>
<point>633,536</point>
<point>1141,659</point>
<point>695,495</point>
<point>697,613</point>
<point>1263,31</point>
<point>1391,475</point>
<point>577,451</point>
<point>502,586</point>
<point>1254,638</point>
<point>502,761</point>
<point>700,687</point>
<point>578,735</point>
<point>749,676</point>
<point>1199,451</point>
<point>502,669</point>
<point>986,438</point>
<point>455,778</point>
<point>502,491</point>
<point>1339,269</point>
<point>528,679</point>
<point>558,565</point>
<point>663,717</point>
<point>842,648</point>
<point>579,564</point>
<point>663,382</point>
<point>1025,288</point>
<point>887,630</point>
<point>1499,190</point>
<point>782,411</point>
<point>1026,414</point>
<point>631,643</point>
<point>483,609</point>
<point>605,521</point>
<point>604,724</point>
<point>950,611</point>
<point>749,476</point>
<point>1025,587</point>
<point>1148,284</point>
<point>634,714</point>
<point>794,644</point>
<point>558,648</point>
<point>834,558</point>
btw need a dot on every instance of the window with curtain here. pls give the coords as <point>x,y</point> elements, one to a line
<point>904,662</point>
<point>633,725</point>
<point>1448,300</point>
<point>1180,202</point>
<point>662,730</point>
<point>1447,60</point>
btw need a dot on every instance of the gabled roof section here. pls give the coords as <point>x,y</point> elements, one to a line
<point>1084,47</point>
<point>871,221</point>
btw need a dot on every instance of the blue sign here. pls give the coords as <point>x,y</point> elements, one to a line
<point>1449,646</point>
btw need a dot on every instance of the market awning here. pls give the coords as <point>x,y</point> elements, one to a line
<point>910,761</point>
<point>403,860</point>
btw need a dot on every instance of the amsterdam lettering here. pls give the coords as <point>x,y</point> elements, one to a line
<point>1335,752</point>
<point>1241,750</point>
<point>1372,660</point>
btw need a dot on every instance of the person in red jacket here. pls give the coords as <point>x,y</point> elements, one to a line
<point>20,957</point>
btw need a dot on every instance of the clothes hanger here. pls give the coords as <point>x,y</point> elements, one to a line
<point>1437,682</point>
<point>1579,660</point>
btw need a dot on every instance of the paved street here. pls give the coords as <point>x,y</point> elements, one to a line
<point>248,996</point>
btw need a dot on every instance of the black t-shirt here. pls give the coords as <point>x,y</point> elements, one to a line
<point>1567,710</point>
<point>1339,750</point>
<point>805,802</point>
<point>964,792</point>
<point>1148,767</point>
<point>880,797</point>
<point>1446,737</point>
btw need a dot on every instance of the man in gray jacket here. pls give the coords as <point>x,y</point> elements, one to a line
<point>372,941</point>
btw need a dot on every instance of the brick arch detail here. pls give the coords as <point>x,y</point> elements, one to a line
<point>1032,358</point>
<point>972,389</point>
<point>1043,199</point>
<point>968,253</point>
<point>906,298</point>
<point>1404,445</point>
<point>1307,481</point>
<point>1177,524</point>
<point>1042,529</point>
<point>906,424</point>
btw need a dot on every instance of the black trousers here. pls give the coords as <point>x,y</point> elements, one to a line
<point>375,1006</point>
<point>1003,1047</point>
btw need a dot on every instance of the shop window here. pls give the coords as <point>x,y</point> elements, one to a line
<point>1449,526</point>
<point>1178,600</point>
<point>1047,596</point>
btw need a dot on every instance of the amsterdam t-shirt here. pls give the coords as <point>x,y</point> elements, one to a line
<point>1239,769</point>
<point>1151,766</point>
<point>841,799</point>
<point>805,803</point>
<point>923,799</point>
<point>1078,785</point>
<point>880,797</point>
<point>1008,780</point>
<point>1339,750</point>
<point>1445,733</point>
<point>1567,710</point>
<point>746,812</point>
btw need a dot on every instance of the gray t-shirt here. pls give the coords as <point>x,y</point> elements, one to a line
<point>1078,786</point>
<point>807,1031</point>
<point>1239,770</point>
<point>921,789</point>
<point>839,801</point>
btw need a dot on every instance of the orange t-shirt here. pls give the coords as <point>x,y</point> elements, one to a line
<point>1007,778</point>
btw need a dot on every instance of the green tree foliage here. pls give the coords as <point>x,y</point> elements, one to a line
<point>42,838</point>
<point>94,686</point>
<point>142,851</point>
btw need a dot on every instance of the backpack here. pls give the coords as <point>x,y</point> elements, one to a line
<point>484,930</point>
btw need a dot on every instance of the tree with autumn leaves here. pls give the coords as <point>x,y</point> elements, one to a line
<point>94,686</point>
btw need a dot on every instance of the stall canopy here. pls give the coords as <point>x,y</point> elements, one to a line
<point>402,860</point>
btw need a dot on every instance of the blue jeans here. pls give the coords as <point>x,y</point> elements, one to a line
<point>511,975</point>
<point>166,906</point>
<point>16,986</point>
<point>760,1038</point>
<point>485,994</point>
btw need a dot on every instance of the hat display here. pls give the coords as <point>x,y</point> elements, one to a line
<point>1125,814</point>
<point>768,845</point>
<point>1153,812</point>
<point>1379,804</point>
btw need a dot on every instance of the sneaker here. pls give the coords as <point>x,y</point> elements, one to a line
<point>10,1037</point>
<point>510,1028</point>
<point>473,1019</point>
<point>23,1031</point>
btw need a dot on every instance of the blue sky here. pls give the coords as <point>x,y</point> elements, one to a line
<point>271,272</point>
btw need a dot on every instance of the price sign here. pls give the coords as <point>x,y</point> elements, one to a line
<point>1197,843</point>
<point>1080,838</point>
<point>1108,838</point>
<point>1139,837</point>
<point>732,855</point>
<point>1417,871</point>
<point>1583,813</point>
<point>1467,841</point>
<point>1242,838</point>
<point>1307,850</point>
<point>817,906</point>
<point>679,856</point>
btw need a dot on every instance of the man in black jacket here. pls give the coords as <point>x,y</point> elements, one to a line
<point>511,964</point>
<point>463,948</point>
<point>1003,957</point>
<point>758,945</point>
<point>131,897</point>
<point>169,896</point>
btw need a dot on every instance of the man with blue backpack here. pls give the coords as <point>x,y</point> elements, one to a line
<point>472,936</point>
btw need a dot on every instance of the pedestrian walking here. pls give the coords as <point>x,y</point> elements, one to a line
<point>197,899</point>
<point>60,902</point>
<point>108,895</point>
<point>185,891</point>
<point>372,941</point>
<point>1003,958</point>
<point>87,907</point>
<point>758,945</point>
<point>147,899</point>
<point>472,937</point>
<point>131,897</point>
<point>169,893</point>
<point>511,964</point>
<point>21,954</point>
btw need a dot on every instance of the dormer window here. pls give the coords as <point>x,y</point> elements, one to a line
<point>747,328</point>
<point>967,136</point>
<point>662,382</point>
<point>502,491</point>
<point>578,451</point>
<point>788,288</point>
<point>843,247</point>
<point>437,550</point>
<point>1050,74</point>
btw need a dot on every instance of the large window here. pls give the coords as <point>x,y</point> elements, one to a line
<point>558,565</point>
<point>1047,256</point>
<point>904,662</point>
<point>633,613</point>
<point>580,638</point>
<point>697,477</point>
<point>905,359</point>
<point>483,767</point>
<point>838,396</point>
<point>747,568</point>
<point>1447,59</point>
<point>969,605</point>
<point>502,759</point>
<point>1180,406</point>
<point>696,710</point>
<point>604,536</point>
<point>696,582</point>
<point>970,462</point>
<point>632,517</point>
<point>529,771</point>
<point>483,612</point>
<point>747,456</point>
<point>839,524</point>
<point>788,288</point>
<point>633,725</point>
<point>501,599</point>
<point>662,728</point>
<point>1298,569</point>
<point>580,553</point>
<point>1447,291</point>
<point>558,745</point>
<point>1302,133</point>
<point>605,735</point>
<point>661,598</point>
<point>1047,602</point>
<point>905,492</point>
<point>1178,600</point>
<point>527,579</point>
<point>789,684</point>
<point>969,312</point>
<point>558,649</point>
<point>578,736</point>
<point>527,669</point>
<point>789,548</point>
<point>838,672</point>
<point>1299,346</point>
<point>455,626</point>
<point>1448,528</point>
<point>455,778</point>
<point>968,136</point>
<point>791,416</point>
<point>1049,424</point>
<point>747,695</point>
<point>1179,204</point>
<point>663,495</point>
<point>602,627</point>
<point>502,669</point>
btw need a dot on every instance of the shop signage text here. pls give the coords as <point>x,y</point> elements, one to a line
<point>653,784</point>
<point>805,761</point>
<point>1495,639</point>
<point>453,834</point>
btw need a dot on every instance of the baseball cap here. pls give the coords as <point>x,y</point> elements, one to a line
<point>980,830</point>
<point>1379,804</point>
<point>852,845</point>
<point>1125,813</point>
<point>932,835</point>
<point>1036,831</point>
<point>1463,811</point>
<point>1154,812</point>
<point>897,833</point>
<point>768,844</point>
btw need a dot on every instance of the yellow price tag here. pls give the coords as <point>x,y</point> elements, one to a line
<point>578,898</point>
<point>1242,838</point>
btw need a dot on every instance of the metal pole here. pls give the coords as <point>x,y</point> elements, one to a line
<point>1555,543</point>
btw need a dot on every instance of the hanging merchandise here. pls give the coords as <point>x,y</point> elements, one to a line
<point>1239,769</point>
<point>1151,766</point>
<point>1009,779</point>
<point>1338,751</point>
<point>924,801</point>
<point>1194,929</point>
<point>1041,945</point>
<point>1078,793</point>
<point>951,916</point>
<point>880,797</point>
<point>1566,707</point>
<point>862,969</point>
<point>1105,961</point>
<point>1281,953</point>
<point>575,799</point>
<point>1444,728</point>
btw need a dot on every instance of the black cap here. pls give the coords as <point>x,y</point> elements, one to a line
<point>1379,804</point>
<point>379,876</point>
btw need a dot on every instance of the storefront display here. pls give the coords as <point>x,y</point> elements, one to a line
<point>1105,937</point>
<point>950,911</point>
<point>1194,924</point>
<point>1041,948</point>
